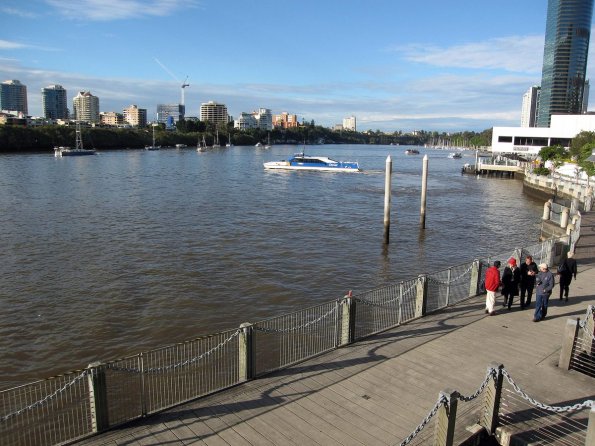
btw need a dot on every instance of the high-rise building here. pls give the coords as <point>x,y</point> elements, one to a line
<point>169,114</point>
<point>264,117</point>
<point>85,107</point>
<point>567,34</point>
<point>530,105</point>
<point>54,102</point>
<point>213,112</point>
<point>586,97</point>
<point>135,116</point>
<point>13,97</point>
<point>350,123</point>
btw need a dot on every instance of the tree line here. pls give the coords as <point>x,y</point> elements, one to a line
<point>45,138</point>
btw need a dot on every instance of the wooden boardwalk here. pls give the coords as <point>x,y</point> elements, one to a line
<point>377,391</point>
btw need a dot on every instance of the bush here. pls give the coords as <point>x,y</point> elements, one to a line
<point>541,171</point>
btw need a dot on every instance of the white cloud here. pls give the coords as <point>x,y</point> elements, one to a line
<point>104,10</point>
<point>8,45</point>
<point>514,53</point>
<point>18,12</point>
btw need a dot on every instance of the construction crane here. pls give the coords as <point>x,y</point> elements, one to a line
<point>168,71</point>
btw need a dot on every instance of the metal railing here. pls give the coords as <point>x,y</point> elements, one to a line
<point>105,395</point>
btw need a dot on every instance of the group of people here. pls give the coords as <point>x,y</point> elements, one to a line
<point>525,279</point>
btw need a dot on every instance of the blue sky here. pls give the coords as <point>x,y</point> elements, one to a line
<point>394,64</point>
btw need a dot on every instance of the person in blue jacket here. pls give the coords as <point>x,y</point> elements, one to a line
<point>545,284</point>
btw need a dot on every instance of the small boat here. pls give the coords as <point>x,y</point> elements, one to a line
<point>301,161</point>
<point>229,144</point>
<point>181,146</point>
<point>268,144</point>
<point>455,155</point>
<point>201,146</point>
<point>78,148</point>
<point>411,152</point>
<point>258,144</point>
<point>216,144</point>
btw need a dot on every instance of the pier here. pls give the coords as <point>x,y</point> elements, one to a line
<point>378,390</point>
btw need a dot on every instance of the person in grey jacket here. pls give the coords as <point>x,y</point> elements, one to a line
<point>545,284</point>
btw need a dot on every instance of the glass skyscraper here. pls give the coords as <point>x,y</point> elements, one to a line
<point>53,100</point>
<point>567,33</point>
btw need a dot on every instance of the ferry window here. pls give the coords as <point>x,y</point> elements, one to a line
<point>564,142</point>
<point>530,141</point>
<point>504,138</point>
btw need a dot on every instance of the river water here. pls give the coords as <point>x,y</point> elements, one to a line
<point>108,255</point>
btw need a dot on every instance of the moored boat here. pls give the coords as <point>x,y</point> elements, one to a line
<point>455,155</point>
<point>301,161</point>
<point>78,148</point>
<point>411,152</point>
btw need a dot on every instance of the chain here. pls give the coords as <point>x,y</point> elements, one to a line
<point>579,406</point>
<point>491,374</point>
<point>441,401</point>
<point>298,327</point>
<point>448,282</point>
<point>383,304</point>
<point>46,399</point>
<point>180,364</point>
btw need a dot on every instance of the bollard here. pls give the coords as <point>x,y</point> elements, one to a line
<point>347,319</point>
<point>444,431</point>
<point>387,191</point>
<point>246,352</point>
<point>424,188</point>
<point>564,217</point>
<point>421,295</point>
<point>568,338</point>
<point>491,402</point>
<point>97,397</point>
<point>547,208</point>
<point>475,277</point>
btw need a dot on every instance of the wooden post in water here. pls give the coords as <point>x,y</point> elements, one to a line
<point>424,188</point>
<point>387,191</point>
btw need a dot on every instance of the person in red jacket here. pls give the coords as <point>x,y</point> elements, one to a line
<point>492,283</point>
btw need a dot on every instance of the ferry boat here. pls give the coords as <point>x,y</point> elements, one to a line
<point>301,161</point>
<point>78,148</point>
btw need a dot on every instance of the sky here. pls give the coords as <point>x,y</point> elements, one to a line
<point>396,65</point>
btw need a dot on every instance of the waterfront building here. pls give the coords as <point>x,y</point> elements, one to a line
<point>111,118</point>
<point>285,121</point>
<point>135,116</point>
<point>567,33</point>
<point>13,97</point>
<point>530,107</point>
<point>85,107</point>
<point>528,141</point>
<point>54,102</point>
<point>586,96</point>
<point>245,121</point>
<point>349,123</point>
<point>213,112</point>
<point>264,118</point>
<point>169,114</point>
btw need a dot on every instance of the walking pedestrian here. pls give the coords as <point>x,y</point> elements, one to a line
<point>566,271</point>
<point>492,283</point>
<point>545,284</point>
<point>511,277</point>
<point>528,272</point>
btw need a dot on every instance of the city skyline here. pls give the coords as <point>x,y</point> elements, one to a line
<point>448,66</point>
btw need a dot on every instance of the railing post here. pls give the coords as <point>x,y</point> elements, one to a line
<point>445,419</point>
<point>246,352</point>
<point>568,338</point>
<point>589,331</point>
<point>448,277</point>
<point>564,217</point>
<point>97,397</point>
<point>474,280</point>
<point>347,319</point>
<point>491,404</point>
<point>590,438</point>
<point>421,296</point>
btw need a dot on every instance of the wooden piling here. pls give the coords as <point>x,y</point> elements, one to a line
<point>424,188</point>
<point>387,192</point>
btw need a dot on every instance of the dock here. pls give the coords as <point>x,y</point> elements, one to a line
<point>377,391</point>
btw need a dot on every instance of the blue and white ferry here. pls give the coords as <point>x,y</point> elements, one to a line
<point>301,161</point>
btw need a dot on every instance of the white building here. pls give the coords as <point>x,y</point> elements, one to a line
<point>245,121</point>
<point>86,107</point>
<point>530,107</point>
<point>350,123</point>
<point>261,119</point>
<point>528,141</point>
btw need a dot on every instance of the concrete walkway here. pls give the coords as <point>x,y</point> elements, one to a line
<point>376,392</point>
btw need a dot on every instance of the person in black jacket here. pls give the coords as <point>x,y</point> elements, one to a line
<point>511,277</point>
<point>566,271</point>
<point>528,272</point>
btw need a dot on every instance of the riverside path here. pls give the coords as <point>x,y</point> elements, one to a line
<point>377,391</point>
